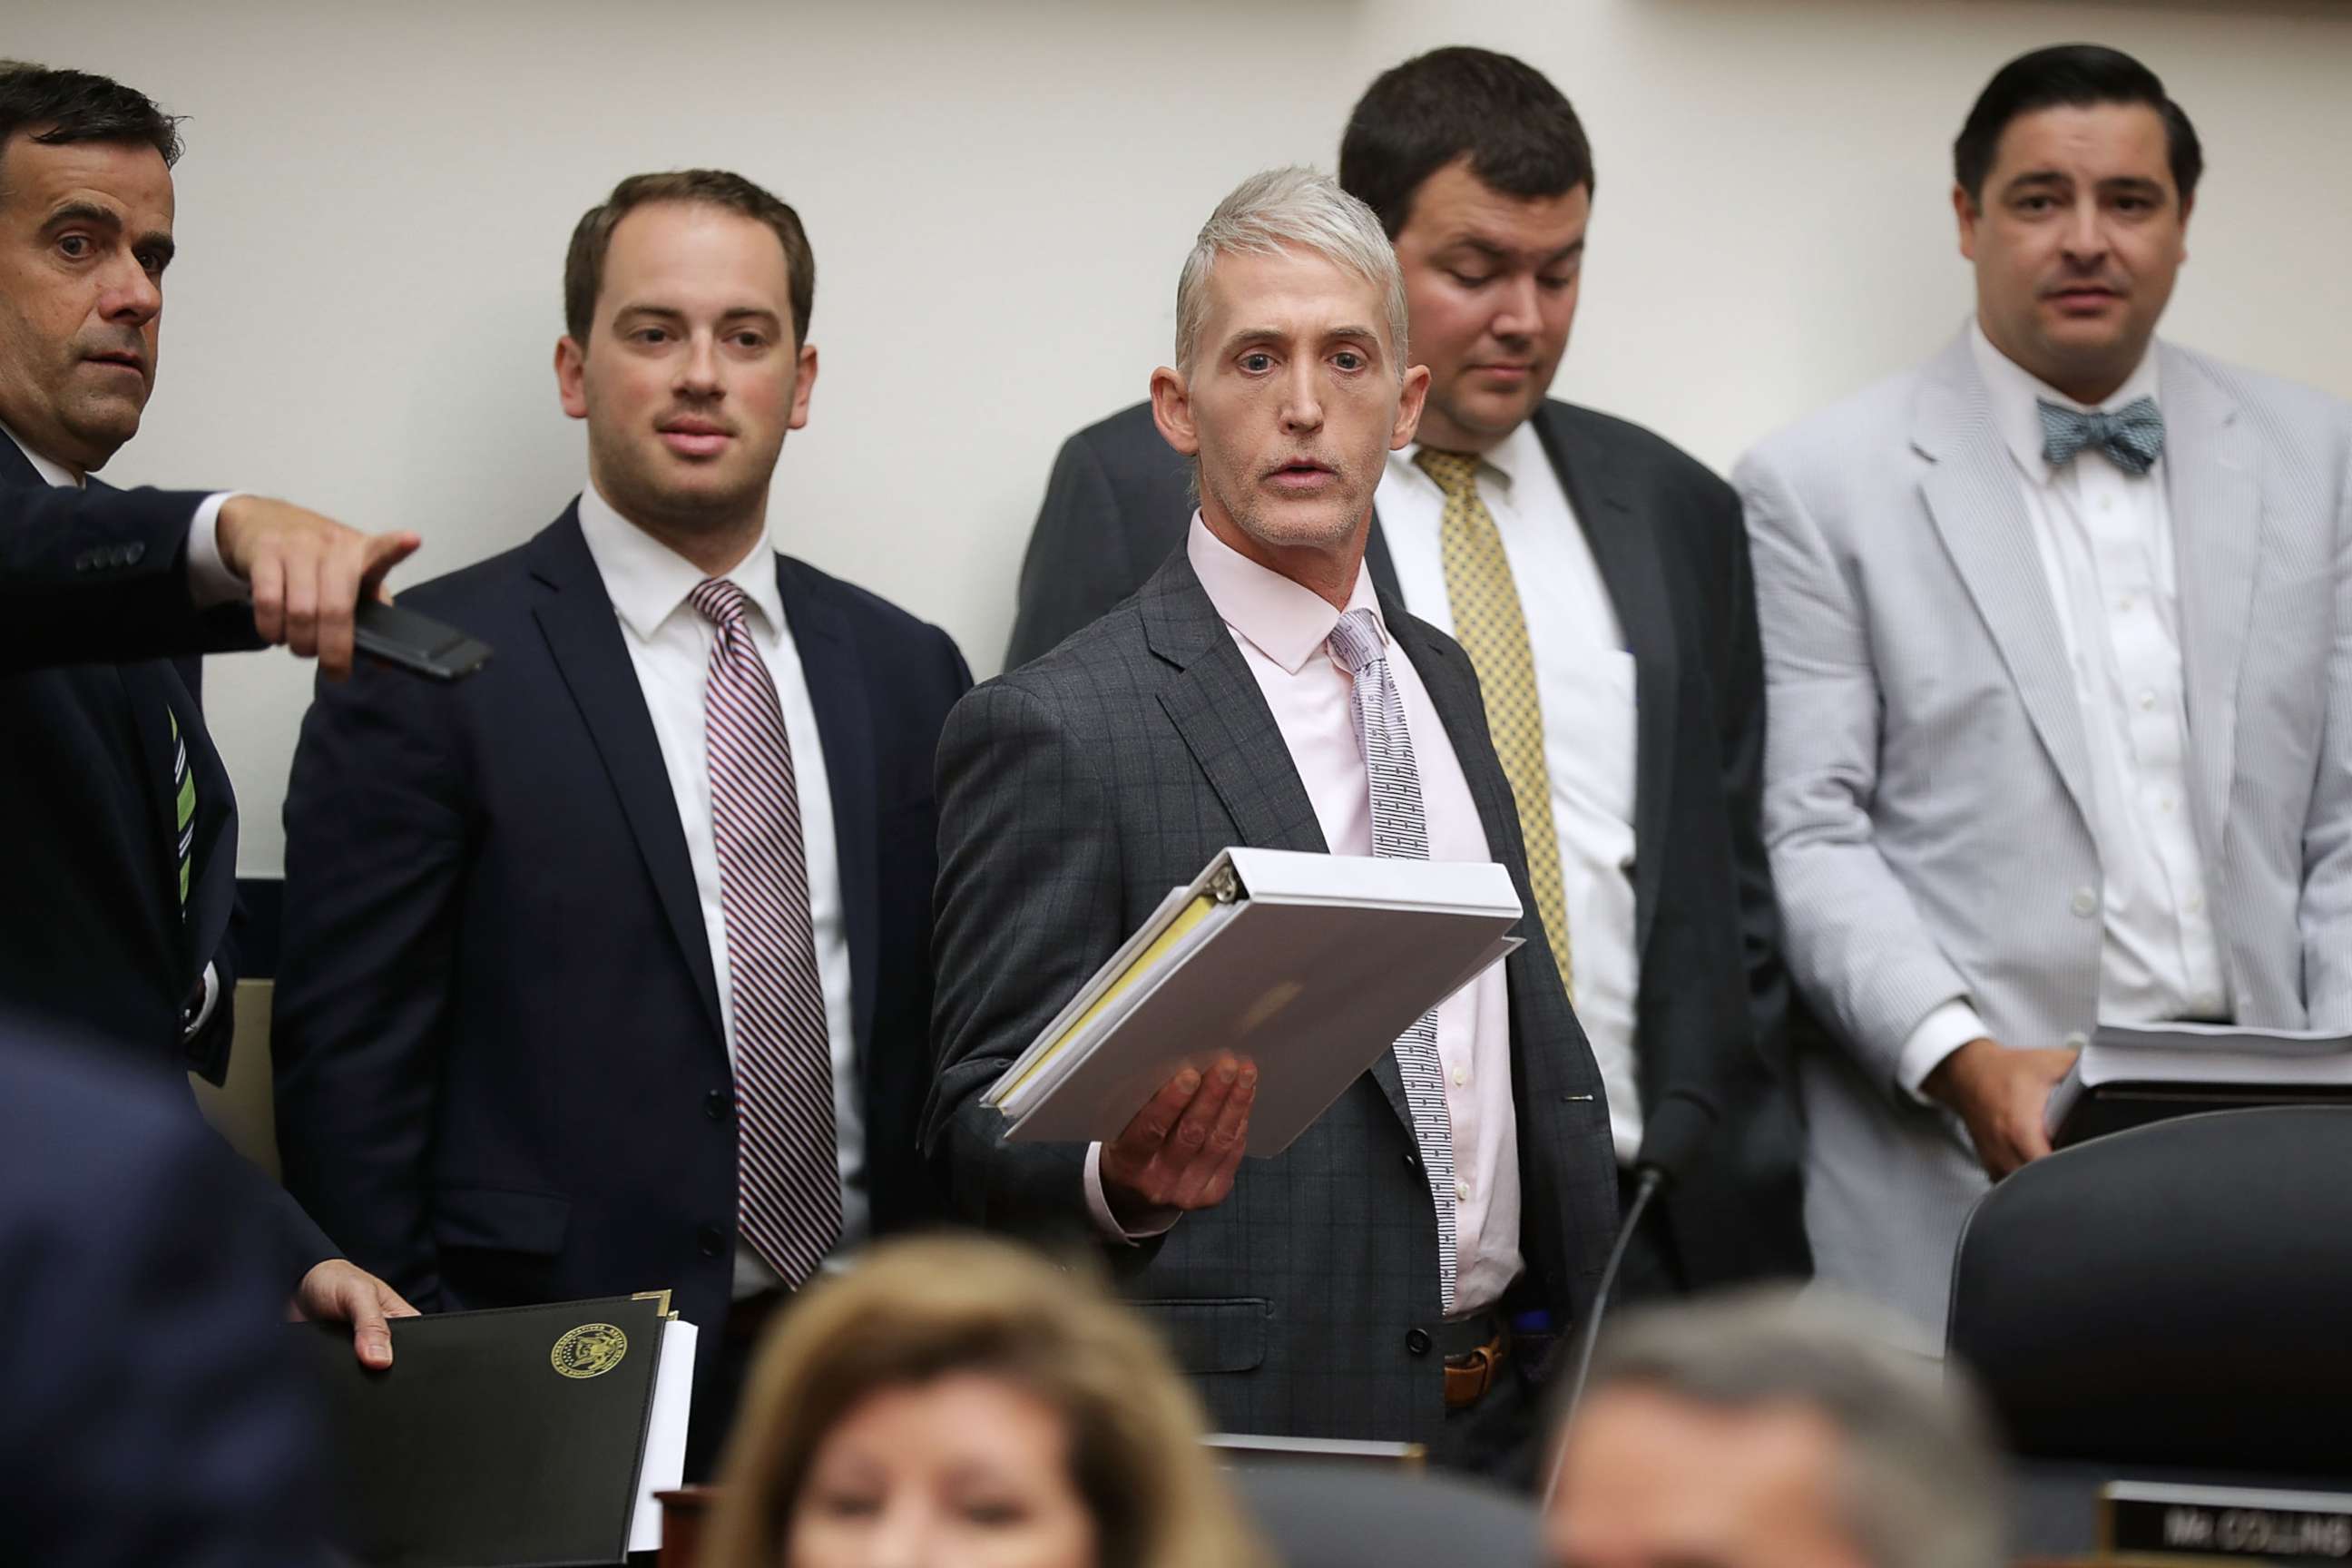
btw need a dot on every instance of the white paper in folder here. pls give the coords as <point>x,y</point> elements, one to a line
<point>1311,965</point>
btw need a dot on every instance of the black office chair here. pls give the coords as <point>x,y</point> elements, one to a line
<point>1325,1516</point>
<point>2178,1295</point>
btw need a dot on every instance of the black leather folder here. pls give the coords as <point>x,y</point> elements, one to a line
<point>496,1439</point>
<point>2117,1107</point>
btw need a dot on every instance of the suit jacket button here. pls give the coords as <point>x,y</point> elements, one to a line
<point>714,1245</point>
<point>1412,1160</point>
<point>132,552</point>
<point>1416,1342</point>
<point>714,1105</point>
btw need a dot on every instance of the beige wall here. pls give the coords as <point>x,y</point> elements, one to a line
<point>375,201</point>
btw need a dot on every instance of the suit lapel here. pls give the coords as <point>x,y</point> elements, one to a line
<point>1972,496</point>
<point>2209,466</point>
<point>1626,547</point>
<point>1380,564</point>
<point>1221,717</point>
<point>844,725</point>
<point>584,638</point>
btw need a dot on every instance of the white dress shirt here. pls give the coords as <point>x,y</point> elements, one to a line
<point>669,645</point>
<point>2105,539</point>
<point>210,582</point>
<point>1584,681</point>
<point>1282,629</point>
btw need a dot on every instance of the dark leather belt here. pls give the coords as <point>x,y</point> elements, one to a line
<point>1475,1350</point>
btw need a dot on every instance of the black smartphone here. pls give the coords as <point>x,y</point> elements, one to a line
<point>416,643</point>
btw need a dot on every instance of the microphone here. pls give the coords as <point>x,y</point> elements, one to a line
<point>1677,1129</point>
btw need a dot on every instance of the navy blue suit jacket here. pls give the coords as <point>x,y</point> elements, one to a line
<point>500,1072</point>
<point>92,937</point>
<point>101,574</point>
<point>146,1417</point>
<point>93,944</point>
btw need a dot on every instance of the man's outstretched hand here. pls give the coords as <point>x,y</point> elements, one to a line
<point>308,574</point>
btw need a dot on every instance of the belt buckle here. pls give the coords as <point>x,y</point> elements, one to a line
<point>1469,1376</point>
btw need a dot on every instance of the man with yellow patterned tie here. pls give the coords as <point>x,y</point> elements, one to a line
<point>1598,579</point>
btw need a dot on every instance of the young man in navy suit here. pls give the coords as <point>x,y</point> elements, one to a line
<point>607,970</point>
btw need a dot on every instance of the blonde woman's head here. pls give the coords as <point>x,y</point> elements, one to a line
<point>956,1403</point>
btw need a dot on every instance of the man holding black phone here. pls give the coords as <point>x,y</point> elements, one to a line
<point>124,871</point>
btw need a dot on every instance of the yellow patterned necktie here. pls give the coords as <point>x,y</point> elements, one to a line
<point>1491,628</point>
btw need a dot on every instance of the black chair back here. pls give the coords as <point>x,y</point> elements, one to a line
<point>2180,1294</point>
<point>1330,1516</point>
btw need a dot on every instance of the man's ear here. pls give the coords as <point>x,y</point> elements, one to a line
<point>1171,410</point>
<point>1412,397</point>
<point>1965,210</point>
<point>804,383</point>
<point>571,376</point>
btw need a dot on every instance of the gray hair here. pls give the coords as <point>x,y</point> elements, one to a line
<point>1279,210</point>
<point>1920,1482</point>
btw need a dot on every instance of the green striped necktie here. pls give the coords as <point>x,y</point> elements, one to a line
<point>184,796</point>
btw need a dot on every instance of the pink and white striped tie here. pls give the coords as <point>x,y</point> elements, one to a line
<point>788,1183</point>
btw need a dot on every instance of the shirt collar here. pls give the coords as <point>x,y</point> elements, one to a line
<point>2012,392</point>
<point>648,582</point>
<point>1510,458</point>
<point>1282,620</point>
<point>55,475</point>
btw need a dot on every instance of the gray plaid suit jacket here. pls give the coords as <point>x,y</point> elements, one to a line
<point>1074,792</point>
<point>1927,780</point>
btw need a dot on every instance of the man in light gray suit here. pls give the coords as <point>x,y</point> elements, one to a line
<point>1399,1271</point>
<point>2058,643</point>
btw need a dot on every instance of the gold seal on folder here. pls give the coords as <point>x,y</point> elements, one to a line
<point>589,1351</point>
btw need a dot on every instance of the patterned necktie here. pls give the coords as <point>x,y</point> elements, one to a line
<point>788,1182</point>
<point>184,809</point>
<point>2132,437</point>
<point>1401,832</point>
<point>1489,627</point>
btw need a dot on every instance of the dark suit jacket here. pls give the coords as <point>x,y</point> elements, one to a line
<point>147,1417</point>
<point>92,937</point>
<point>1666,532</point>
<point>99,574</point>
<point>1076,791</point>
<point>500,1072</point>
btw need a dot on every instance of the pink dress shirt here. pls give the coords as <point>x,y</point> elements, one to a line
<point>1281,629</point>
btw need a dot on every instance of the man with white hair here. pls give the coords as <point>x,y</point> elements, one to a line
<point>1769,1429</point>
<point>1365,1283</point>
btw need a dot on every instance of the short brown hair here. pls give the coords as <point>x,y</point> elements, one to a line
<point>911,1312</point>
<point>583,267</point>
<point>58,107</point>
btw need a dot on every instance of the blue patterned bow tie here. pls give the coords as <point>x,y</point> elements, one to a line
<point>2133,436</point>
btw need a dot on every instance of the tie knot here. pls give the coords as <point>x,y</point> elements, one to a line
<point>1456,473</point>
<point>2132,437</point>
<point>720,602</point>
<point>1357,641</point>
